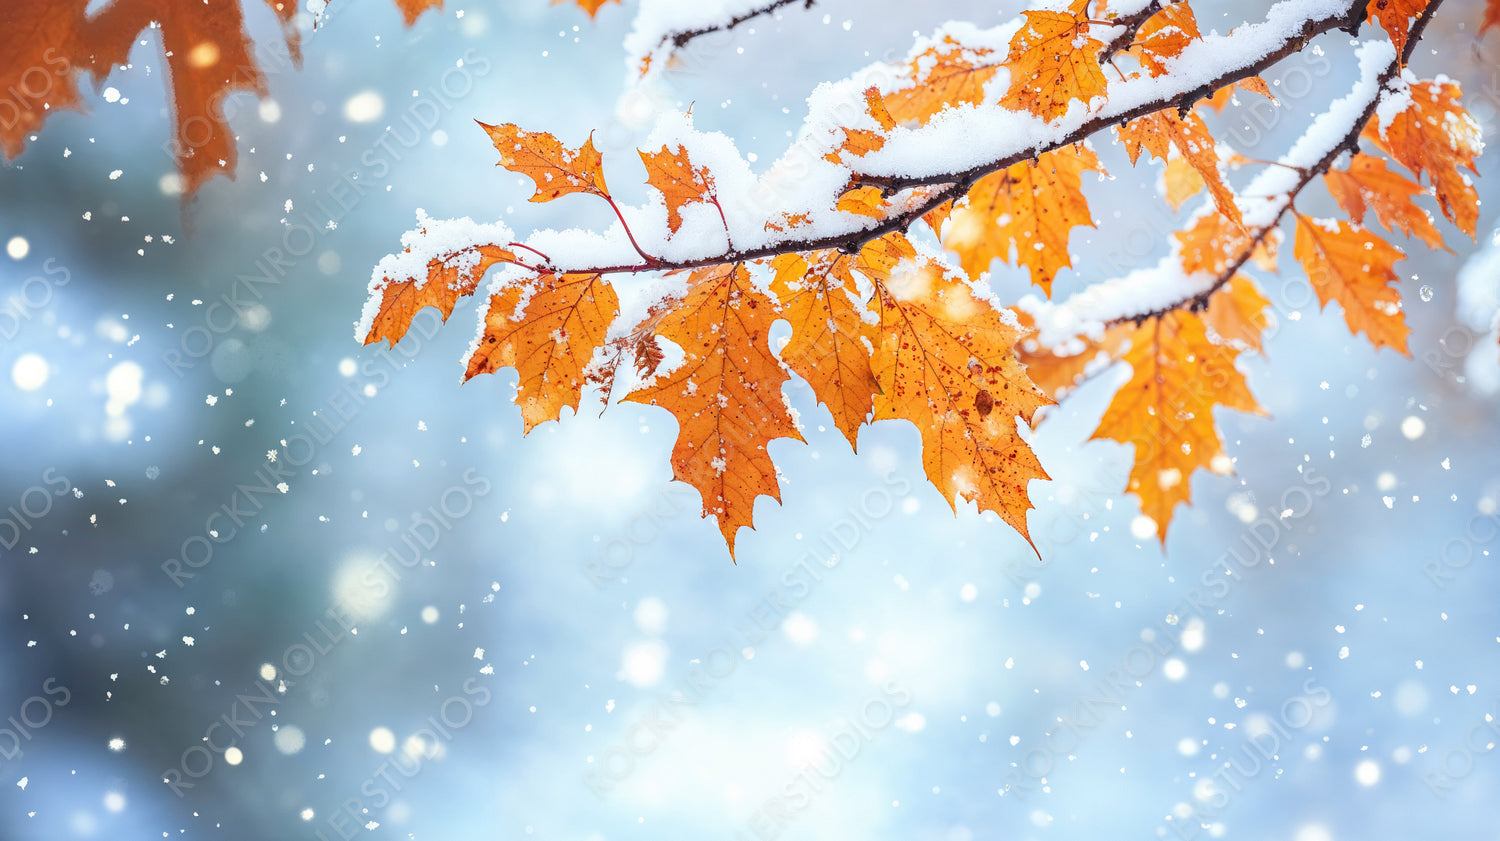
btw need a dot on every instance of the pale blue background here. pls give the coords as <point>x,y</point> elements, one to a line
<point>937,604</point>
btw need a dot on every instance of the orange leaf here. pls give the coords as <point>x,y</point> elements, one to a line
<point>946,361</point>
<point>1254,84</point>
<point>1350,265</point>
<point>412,9</point>
<point>1212,244</point>
<point>1368,184</point>
<point>865,201</point>
<point>37,41</point>
<point>1166,410</point>
<point>1052,62</point>
<point>1237,313</point>
<point>828,346</point>
<point>449,278</point>
<point>726,394</point>
<point>1164,36</point>
<point>208,57</point>
<point>860,142</point>
<point>1396,17</point>
<point>786,221</point>
<point>1030,208</point>
<point>547,329</point>
<point>1055,373</point>
<point>1435,135</point>
<point>945,76</point>
<point>1491,15</point>
<point>590,6</point>
<point>1190,135</point>
<point>938,216</point>
<point>44,44</point>
<point>555,169</point>
<point>678,180</point>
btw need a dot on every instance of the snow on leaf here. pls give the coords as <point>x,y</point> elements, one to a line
<point>449,277</point>
<point>1368,184</point>
<point>726,395</point>
<point>1164,36</point>
<point>554,168</point>
<point>679,181</point>
<point>1052,62</point>
<point>1029,209</point>
<point>828,347</point>
<point>1157,131</point>
<point>1348,264</point>
<point>944,76</point>
<point>1166,410</point>
<point>1436,136</point>
<point>548,329</point>
<point>946,362</point>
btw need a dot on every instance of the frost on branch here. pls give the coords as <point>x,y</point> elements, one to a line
<point>876,233</point>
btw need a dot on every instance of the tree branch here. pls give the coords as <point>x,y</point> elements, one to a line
<point>1132,24</point>
<point>1306,175</point>
<point>953,185</point>
<point>681,39</point>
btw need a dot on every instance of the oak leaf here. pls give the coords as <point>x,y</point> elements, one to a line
<point>830,345</point>
<point>1052,62</point>
<point>1181,181</point>
<point>1057,370</point>
<point>1221,97</point>
<point>864,201</point>
<point>1164,36</point>
<point>861,141</point>
<point>1155,131</point>
<point>1348,264</point>
<point>1214,245</point>
<point>1029,209</point>
<point>1166,410</point>
<point>45,44</point>
<point>679,181</point>
<point>555,169</point>
<point>726,394</point>
<point>945,361</point>
<point>38,43</point>
<point>1436,136</point>
<point>548,329</point>
<point>449,278</point>
<point>1367,184</point>
<point>944,76</point>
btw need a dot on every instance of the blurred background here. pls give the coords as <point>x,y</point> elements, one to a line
<point>260,582</point>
